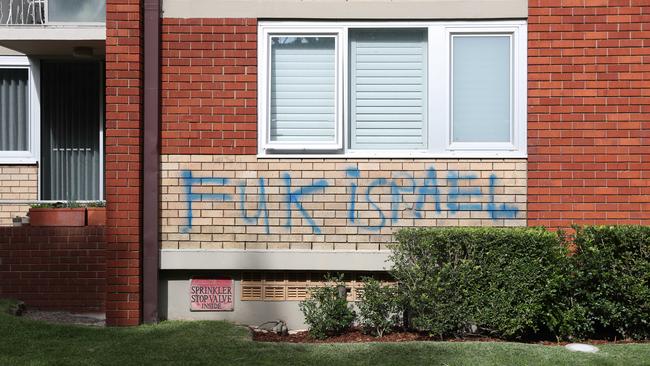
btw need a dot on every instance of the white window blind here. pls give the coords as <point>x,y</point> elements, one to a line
<point>481,84</point>
<point>388,93</point>
<point>14,110</point>
<point>303,89</point>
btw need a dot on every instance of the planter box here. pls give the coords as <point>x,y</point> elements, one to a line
<point>96,216</point>
<point>57,216</point>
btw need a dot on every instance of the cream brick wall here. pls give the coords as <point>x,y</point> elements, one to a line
<point>17,182</point>
<point>346,204</point>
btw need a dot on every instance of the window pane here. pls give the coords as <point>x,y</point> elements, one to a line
<point>303,89</point>
<point>14,120</point>
<point>388,88</point>
<point>78,11</point>
<point>70,149</point>
<point>481,89</point>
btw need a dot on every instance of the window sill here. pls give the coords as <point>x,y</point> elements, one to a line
<point>18,161</point>
<point>402,155</point>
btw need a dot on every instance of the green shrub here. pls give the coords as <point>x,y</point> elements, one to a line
<point>326,312</point>
<point>95,204</point>
<point>379,307</point>
<point>60,204</point>
<point>502,282</point>
<point>612,281</point>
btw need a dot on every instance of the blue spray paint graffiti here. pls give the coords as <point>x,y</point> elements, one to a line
<point>461,196</point>
<point>261,206</point>
<point>188,181</point>
<point>293,199</point>
<point>502,211</point>
<point>382,219</point>
<point>456,192</point>
<point>429,189</point>
<point>352,172</point>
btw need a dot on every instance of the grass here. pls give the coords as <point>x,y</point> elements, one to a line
<point>26,342</point>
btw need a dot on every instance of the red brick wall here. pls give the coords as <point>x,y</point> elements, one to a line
<point>588,112</point>
<point>54,268</point>
<point>209,86</point>
<point>123,160</point>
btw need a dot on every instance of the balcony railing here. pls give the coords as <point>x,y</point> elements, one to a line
<point>32,12</point>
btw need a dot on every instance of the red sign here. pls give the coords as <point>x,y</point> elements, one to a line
<point>211,294</point>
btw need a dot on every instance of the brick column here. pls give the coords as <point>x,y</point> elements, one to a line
<point>123,160</point>
<point>588,112</point>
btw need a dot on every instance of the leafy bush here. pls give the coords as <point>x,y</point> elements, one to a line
<point>612,281</point>
<point>326,312</point>
<point>379,307</point>
<point>502,282</point>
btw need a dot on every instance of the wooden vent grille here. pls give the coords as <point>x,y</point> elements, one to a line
<point>294,286</point>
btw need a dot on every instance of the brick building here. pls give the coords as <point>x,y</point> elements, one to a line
<point>272,141</point>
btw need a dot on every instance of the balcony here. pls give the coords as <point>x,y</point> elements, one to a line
<point>53,27</point>
<point>52,12</point>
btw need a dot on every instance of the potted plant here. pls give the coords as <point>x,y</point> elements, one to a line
<point>57,214</point>
<point>96,213</point>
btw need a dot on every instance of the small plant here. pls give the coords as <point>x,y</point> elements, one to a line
<point>42,205</point>
<point>67,204</point>
<point>326,312</point>
<point>379,308</point>
<point>96,204</point>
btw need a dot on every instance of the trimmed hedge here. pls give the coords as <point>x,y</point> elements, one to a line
<point>516,283</point>
<point>502,282</point>
<point>611,282</point>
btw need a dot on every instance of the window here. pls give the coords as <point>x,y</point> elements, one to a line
<point>18,117</point>
<point>71,130</point>
<point>304,94</point>
<point>388,89</point>
<point>392,89</point>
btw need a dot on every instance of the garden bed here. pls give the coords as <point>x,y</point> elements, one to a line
<point>353,336</point>
<point>356,336</point>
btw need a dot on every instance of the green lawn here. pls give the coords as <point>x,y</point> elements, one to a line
<point>26,342</point>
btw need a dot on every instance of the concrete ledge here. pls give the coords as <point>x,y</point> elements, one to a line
<point>53,33</point>
<point>290,260</point>
<point>347,9</point>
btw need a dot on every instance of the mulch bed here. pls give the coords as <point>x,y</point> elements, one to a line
<point>356,336</point>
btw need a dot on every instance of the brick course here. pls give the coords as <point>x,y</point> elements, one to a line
<point>209,86</point>
<point>17,182</point>
<point>123,160</point>
<point>588,112</point>
<point>54,268</point>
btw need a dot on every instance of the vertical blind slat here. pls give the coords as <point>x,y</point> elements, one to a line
<point>14,110</point>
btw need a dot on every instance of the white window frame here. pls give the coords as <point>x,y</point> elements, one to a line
<point>29,156</point>
<point>265,83</point>
<point>439,61</point>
